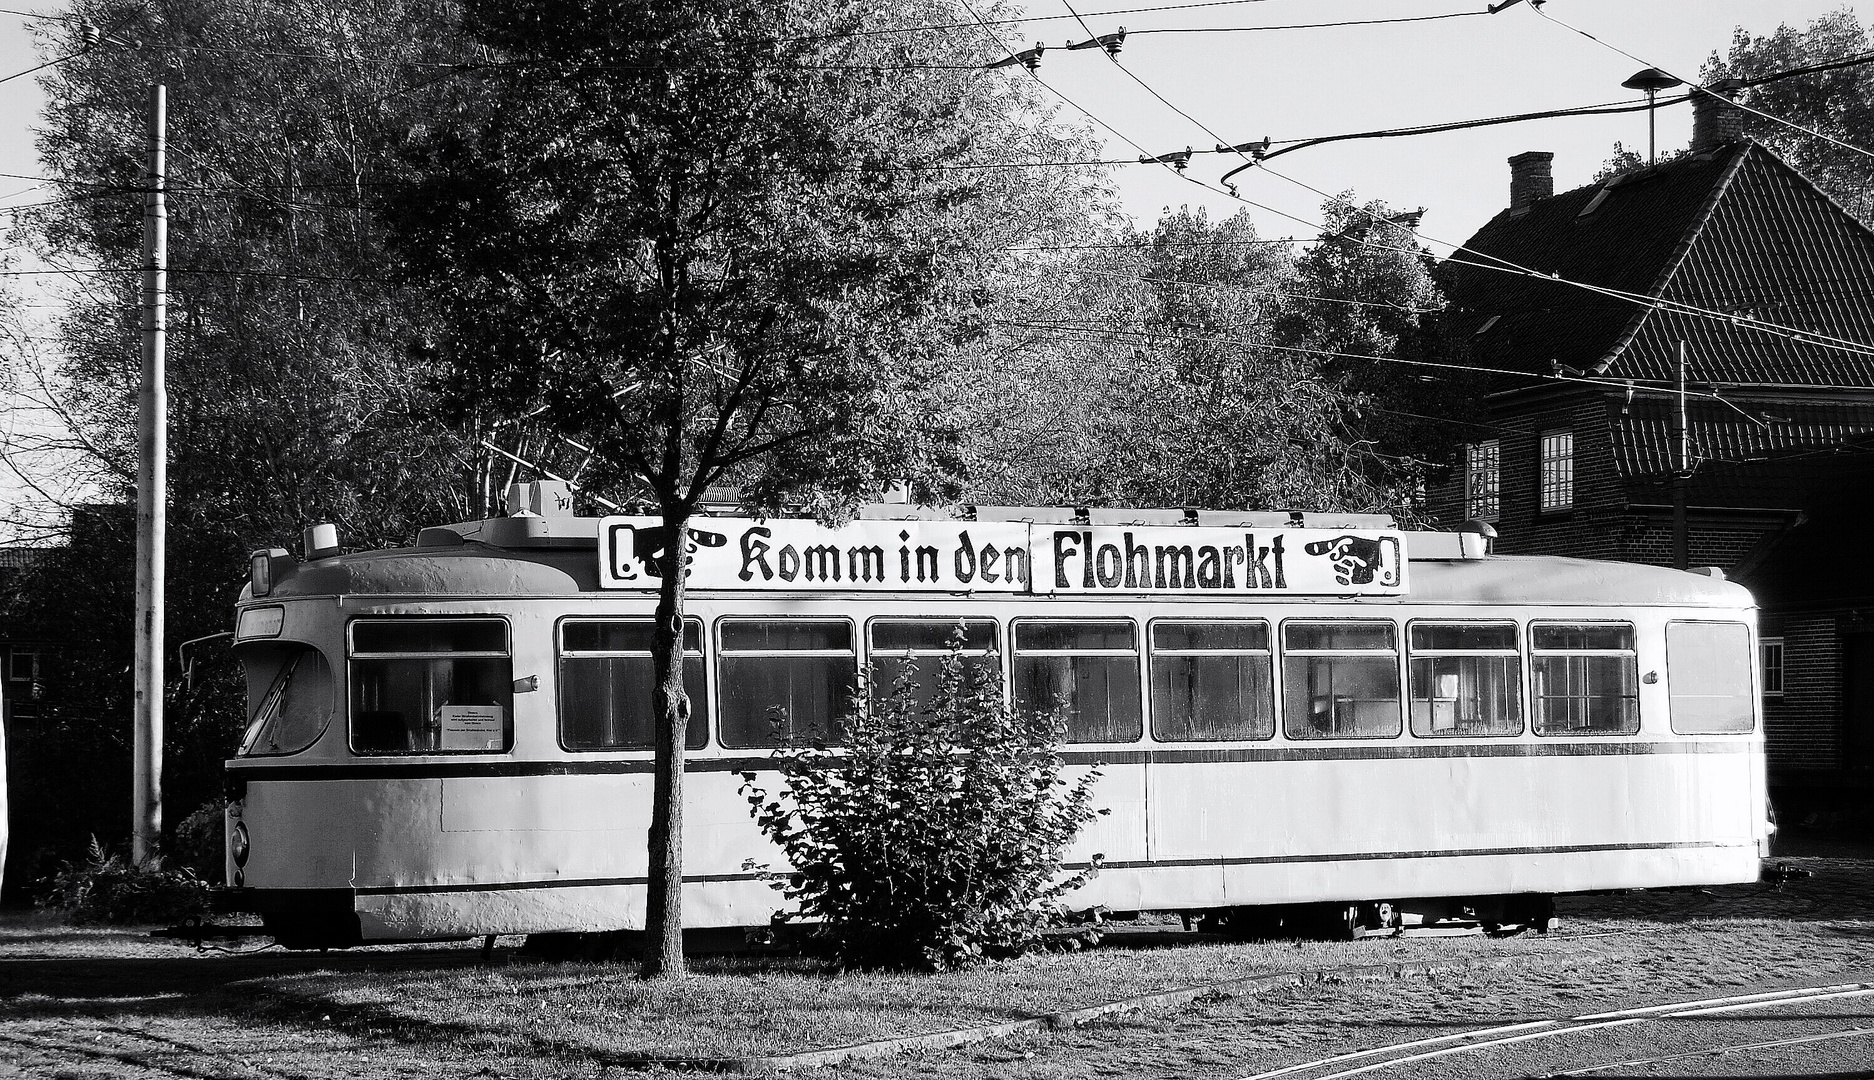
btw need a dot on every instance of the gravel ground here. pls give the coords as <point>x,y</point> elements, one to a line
<point>77,1003</point>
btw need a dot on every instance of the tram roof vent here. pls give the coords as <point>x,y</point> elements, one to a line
<point>1099,515</point>
<point>1472,540</point>
<point>526,531</point>
<point>889,511</point>
<point>540,498</point>
<point>1046,515</point>
<point>1293,519</point>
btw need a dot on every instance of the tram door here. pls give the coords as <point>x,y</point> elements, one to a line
<point>1858,714</point>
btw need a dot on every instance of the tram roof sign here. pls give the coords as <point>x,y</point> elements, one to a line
<point>800,555</point>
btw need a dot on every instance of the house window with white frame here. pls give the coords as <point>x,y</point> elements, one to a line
<point>1557,480</point>
<point>1770,654</point>
<point>1481,462</point>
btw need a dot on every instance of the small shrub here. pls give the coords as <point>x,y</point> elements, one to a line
<point>200,844</point>
<point>933,838</point>
<point>109,888</point>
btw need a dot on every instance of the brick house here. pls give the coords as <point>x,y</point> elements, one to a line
<point>21,674</point>
<point>1580,450</point>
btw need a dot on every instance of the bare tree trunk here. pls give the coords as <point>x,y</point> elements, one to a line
<point>663,917</point>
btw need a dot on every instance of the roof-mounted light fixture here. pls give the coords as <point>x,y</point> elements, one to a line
<point>1651,80</point>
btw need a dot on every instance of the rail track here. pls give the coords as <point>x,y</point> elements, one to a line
<point>1420,1051</point>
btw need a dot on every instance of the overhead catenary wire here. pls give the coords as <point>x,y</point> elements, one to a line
<point>1292,26</point>
<point>1026,19</point>
<point>1705,89</point>
<point>1143,336</point>
<point>1226,286</point>
<point>1286,145</point>
<point>1827,341</point>
<point>1012,55</point>
<point>1654,302</point>
<point>1795,332</point>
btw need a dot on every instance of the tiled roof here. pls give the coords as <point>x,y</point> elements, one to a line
<point>19,558</point>
<point>1736,231</point>
<point>1748,453</point>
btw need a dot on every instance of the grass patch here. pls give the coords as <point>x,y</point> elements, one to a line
<point>743,1008</point>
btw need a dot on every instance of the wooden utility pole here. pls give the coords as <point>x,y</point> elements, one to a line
<point>1682,472</point>
<point>146,801</point>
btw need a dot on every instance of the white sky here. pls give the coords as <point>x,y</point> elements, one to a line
<point>1295,84</point>
<point>1298,84</point>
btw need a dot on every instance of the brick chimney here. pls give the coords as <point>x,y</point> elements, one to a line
<point>1715,123</point>
<point>1530,178</point>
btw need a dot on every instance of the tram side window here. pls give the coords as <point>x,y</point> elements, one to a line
<point>1340,680</point>
<point>1090,669</point>
<point>915,649</point>
<point>783,680</point>
<point>431,686</point>
<point>1212,681</point>
<point>1467,679</point>
<point>1586,678</point>
<point>607,683</point>
<point>290,690</point>
<point>1708,678</point>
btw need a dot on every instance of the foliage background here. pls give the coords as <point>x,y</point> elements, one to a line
<point>1092,362</point>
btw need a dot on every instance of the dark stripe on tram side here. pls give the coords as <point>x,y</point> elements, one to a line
<point>433,770</point>
<point>291,896</point>
<point>1384,856</point>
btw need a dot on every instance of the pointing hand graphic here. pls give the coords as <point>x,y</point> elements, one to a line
<point>1357,560</point>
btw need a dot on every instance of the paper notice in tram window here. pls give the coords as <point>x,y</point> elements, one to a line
<point>471,727</point>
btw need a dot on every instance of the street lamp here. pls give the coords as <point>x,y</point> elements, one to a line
<point>1651,80</point>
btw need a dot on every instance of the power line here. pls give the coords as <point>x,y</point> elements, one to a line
<point>1232,287</point>
<point>1145,155</point>
<point>1294,26</point>
<point>47,64</point>
<point>478,65</point>
<point>1651,302</point>
<point>1287,145</point>
<point>1455,125</point>
<point>1693,82</point>
<point>986,24</point>
<point>1501,265</point>
<point>1215,339</point>
<point>1654,302</point>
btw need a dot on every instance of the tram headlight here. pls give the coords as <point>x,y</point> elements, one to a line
<point>238,845</point>
<point>260,622</point>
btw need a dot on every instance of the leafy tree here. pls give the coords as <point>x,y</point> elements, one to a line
<point>725,241</point>
<point>1838,103</point>
<point>1365,289</point>
<point>934,837</point>
<point>1188,367</point>
<point>295,396</point>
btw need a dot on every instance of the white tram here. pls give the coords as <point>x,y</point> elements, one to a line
<point>453,739</point>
